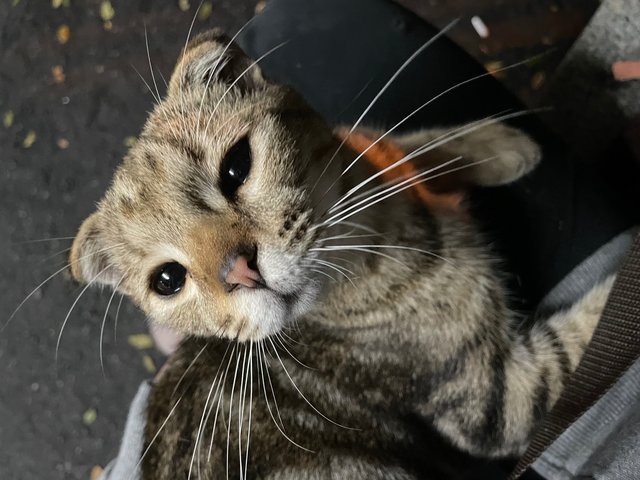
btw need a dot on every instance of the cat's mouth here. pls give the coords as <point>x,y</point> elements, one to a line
<point>257,284</point>
<point>252,279</point>
<point>268,309</point>
<point>288,297</point>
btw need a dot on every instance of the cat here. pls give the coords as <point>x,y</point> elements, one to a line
<point>332,316</point>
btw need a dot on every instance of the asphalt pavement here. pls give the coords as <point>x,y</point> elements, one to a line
<point>70,101</point>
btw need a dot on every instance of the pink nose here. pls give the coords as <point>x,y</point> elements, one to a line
<point>241,273</point>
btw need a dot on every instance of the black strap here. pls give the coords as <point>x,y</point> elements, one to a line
<point>615,345</point>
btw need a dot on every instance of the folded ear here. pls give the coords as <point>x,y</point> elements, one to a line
<point>210,58</point>
<point>89,258</point>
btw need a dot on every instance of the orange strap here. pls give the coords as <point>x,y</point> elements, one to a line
<point>625,71</point>
<point>384,153</point>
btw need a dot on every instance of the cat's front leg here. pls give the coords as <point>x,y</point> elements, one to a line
<point>490,154</point>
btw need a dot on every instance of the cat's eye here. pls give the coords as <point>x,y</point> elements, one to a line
<point>168,279</point>
<point>235,168</point>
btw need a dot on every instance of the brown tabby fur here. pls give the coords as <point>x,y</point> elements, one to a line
<point>418,338</point>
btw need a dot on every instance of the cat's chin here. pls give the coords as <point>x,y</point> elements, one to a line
<point>267,312</point>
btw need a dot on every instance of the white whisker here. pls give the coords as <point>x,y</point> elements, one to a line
<point>144,454</point>
<point>251,65</point>
<point>246,458</point>
<point>115,322</point>
<point>384,89</point>
<point>156,99</point>
<point>191,364</point>
<point>426,104</point>
<point>282,344</point>
<point>48,257</point>
<point>411,185</point>
<point>336,268</point>
<point>104,320</point>
<point>184,51</point>
<point>196,447</point>
<point>233,386</point>
<point>220,400</point>
<point>393,188</point>
<point>317,270</point>
<point>216,65</point>
<point>398,247</point>
<point>57,272</point>
<point>301,394</point>
<point>153,77</point>
<point>74,304</point>
<point>42,240</point>
<point>241,399</point>
<point>264,366</point>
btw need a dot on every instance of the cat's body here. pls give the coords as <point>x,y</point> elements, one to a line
<point>228,220</point>
<point>403,350</point>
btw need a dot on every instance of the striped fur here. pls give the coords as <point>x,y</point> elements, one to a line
<point>417,344</point>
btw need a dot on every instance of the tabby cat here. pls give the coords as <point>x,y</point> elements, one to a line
<point>332,317</point>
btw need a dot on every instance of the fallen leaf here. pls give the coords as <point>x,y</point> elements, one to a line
<point>140,341</point>
<point>184,5</point>
<point>89,416</point>
<point>260,6</point>
<point>58,74</point>
<point>149,364</point>
<point>96,472</point>
<point>63,143</point>
<point>130,141</point>
<point>56,3</point>
<point>29,139</point>
<point>495,69</point>
<point>537,80</point>
<point>205,11</point>
<point>63,34</point>
<point>7,119</point>
<point>106,11</point>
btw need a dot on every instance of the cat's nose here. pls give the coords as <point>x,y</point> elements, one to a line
<point>243,271</point>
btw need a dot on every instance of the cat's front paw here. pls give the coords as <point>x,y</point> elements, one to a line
<point>510,154</point>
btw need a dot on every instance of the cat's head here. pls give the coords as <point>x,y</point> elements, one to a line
<point>208,223</point>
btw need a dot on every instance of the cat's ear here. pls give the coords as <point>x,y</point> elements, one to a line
<point>210,58</point>
<point>89,257</point>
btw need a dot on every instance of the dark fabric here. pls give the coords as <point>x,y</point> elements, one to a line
<point>339,55</point>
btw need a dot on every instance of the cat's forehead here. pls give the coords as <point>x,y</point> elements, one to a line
<point>206,109</point>
<point>173,171</point>
<point>189,118</point>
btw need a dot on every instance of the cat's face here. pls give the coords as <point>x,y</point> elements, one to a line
<point>208,223</point>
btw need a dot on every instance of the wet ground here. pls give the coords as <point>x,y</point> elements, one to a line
<point>70,101</point>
